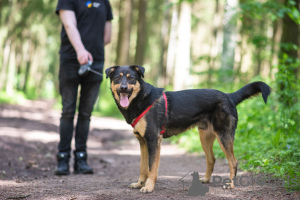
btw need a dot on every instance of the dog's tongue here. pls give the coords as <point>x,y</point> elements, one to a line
<point>124,100</point>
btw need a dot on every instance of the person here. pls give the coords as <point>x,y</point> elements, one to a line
<point>86,29</point>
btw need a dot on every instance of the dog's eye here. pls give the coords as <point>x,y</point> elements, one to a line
<point>118,78</point>
<point>130,78</point>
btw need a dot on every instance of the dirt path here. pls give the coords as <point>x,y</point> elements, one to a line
<point>28,141</point>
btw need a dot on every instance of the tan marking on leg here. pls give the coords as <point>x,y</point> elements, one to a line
<point>141,126</point>
<point>229,153</point>
<point>135,91</point>
<point>152,175</point>
<point>207,139</point>
<point>144,166</point>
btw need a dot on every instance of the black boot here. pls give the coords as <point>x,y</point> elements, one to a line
<point>62,163</point>
<point>80,165</point>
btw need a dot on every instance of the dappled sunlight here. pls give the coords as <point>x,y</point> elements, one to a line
<point>109,123</point>
<point>20,114</point>
<point>123,152</point>
<point>134,150</point>
<point>170,177</point>
<point>169,150</point>
<point>33,135</point>
<point>9,183</point>
<point>181,175</point>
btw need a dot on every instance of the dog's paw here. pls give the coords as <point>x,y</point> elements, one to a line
<point>136,185</point>
<point>147,189</point>
<point>204,180</point>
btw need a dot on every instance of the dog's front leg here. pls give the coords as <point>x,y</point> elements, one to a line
<point>144,167</point>
<point>153,144</point>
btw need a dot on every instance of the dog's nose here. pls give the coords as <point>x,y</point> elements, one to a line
<point>123,87</point>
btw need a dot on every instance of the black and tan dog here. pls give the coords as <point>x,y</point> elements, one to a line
<point>156,114</point>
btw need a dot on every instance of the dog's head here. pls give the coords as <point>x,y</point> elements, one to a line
<point>125,82</point>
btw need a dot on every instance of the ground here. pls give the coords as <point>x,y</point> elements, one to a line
<point>28,146</point>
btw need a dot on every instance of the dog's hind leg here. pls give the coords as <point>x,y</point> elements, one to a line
<point>207,139</point>
<point>144,166</point>
<point>226,143</point>
<point>153,144</point>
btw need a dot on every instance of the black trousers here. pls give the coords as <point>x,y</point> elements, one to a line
<point>69,82</point>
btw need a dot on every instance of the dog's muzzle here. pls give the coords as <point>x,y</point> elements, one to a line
<point>124,94</point>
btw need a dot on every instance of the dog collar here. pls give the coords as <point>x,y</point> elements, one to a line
<point>149,107</point>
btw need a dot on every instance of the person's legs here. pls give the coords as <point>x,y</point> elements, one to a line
<point>89,91</point>
<point>68,86</point>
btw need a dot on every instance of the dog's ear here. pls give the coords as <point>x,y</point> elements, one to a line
<point>139,69</point>
<point>110,71</point>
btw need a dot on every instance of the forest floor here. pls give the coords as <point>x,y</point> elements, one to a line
<point>28,147</point>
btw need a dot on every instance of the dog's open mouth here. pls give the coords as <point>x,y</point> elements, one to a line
<point>124,99</point>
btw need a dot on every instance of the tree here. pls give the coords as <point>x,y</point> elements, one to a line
<point>172,45</point>
<point>182,60</point>
<point>288,68</point>
<point>141,33</point>
<point>229,40</point>
<point>164,40</point>
<point>290,35</point>
<point>125,19</point>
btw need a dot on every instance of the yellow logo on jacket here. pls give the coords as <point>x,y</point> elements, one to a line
<point>89,4</point>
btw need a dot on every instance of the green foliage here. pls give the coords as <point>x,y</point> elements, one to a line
<point>258,9</point>
<point>15,98</point>
<point>30,31</point>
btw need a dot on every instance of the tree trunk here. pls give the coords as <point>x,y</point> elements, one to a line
<point>214,46</point>
<point>6,53</point>
<point>260,48</point>
<point>277,32</point>
<point>290,35</point>
<point>172,45</point>
<point>141,33</point>
<point>229,41</point>
<point>125,18</point>
<point>287,58</point>
<point>11,72</point>
<point>182,60</point>
<point>31,50</point>
<point>164,47</point>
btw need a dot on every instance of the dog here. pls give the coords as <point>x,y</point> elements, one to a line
<point>155,114</point>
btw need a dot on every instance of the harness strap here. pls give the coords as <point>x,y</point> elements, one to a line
<point>166,113</point>
<point>149,107</point>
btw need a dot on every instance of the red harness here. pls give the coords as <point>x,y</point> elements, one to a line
<point>145,111</point>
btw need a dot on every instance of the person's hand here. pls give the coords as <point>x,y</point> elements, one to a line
<point>83,56</point>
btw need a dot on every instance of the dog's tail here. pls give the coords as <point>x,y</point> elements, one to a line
<point>249,91</point>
